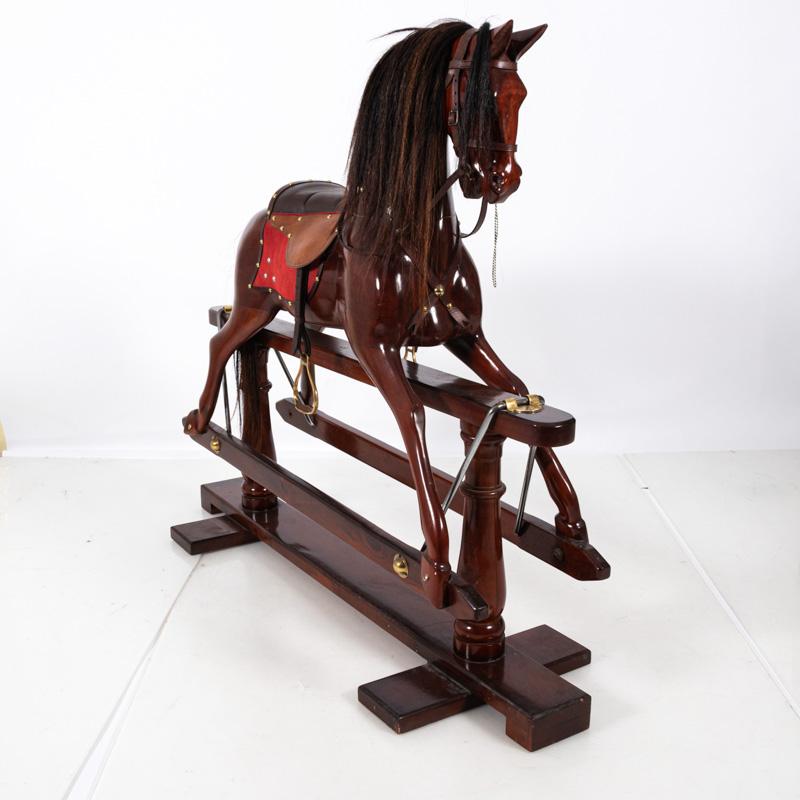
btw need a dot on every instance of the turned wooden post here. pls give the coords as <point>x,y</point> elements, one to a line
<point>481,560</point>
<point>256,422</point>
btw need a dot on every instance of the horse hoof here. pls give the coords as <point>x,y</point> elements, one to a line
<point>194,423</point>
<point>435,577</point>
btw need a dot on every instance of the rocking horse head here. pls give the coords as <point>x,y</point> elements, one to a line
<point>482,100</point>
<point>447,80</point>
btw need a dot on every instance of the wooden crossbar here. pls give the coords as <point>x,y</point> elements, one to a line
<point>466,400</point>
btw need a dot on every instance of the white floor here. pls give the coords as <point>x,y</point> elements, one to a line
<point>131,670</point>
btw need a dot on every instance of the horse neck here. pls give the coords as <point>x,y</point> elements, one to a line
<point>448,222</point>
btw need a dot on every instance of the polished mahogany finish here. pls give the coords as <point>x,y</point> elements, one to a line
<point>385,302</point>
<point>525,686</point>
<point>378,306</point>
<point>574,556</point>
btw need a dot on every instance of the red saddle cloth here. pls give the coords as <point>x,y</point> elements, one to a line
<point>273,273</point>
<point>300,225</point>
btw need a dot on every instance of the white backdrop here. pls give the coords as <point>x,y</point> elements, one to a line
<point>648,266</point>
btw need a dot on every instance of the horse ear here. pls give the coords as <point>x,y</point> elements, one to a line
<point>522,41</point>
<point>501,38</point>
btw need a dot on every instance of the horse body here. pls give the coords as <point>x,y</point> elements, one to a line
<point>408,294</point>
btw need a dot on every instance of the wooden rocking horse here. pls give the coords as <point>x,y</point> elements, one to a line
<point>383,258</point>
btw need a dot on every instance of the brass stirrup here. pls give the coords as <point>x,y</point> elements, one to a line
<point>298,401</point>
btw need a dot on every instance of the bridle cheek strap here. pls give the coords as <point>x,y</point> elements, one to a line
<point>458,63</point>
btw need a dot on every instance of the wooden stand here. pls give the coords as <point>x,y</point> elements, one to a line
<point>470,660</point>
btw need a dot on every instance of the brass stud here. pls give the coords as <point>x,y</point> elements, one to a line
<point>269,290</point>
<point>299,219</point>
<point>216,446</point>
<point>400,566</point>
<point>261,241</point>
<point>258,264</point>
<point>227,309</point>
<point>265,276</point>
<point>317,278</point>
<point>282,227</point>
<point>449,305</point>
<point>439,291</point>
<point>269,260</point>
<point>288,235</point>
<point>249,285</point>
<point>328,217</point>
<point>189,426</point>
<point>424,309</point>
<point>289,302</point>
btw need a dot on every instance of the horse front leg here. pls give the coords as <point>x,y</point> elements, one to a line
<point>385,369</point>
<point>476,352</point>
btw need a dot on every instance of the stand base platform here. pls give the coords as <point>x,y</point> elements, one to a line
<point>524,684</point>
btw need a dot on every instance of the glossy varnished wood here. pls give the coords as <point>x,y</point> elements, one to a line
<point>458,397</point>
<point>415,697</point>
<point>209,535</point>
<point>576,557</point>
<point>385,299</point>
<point>374,294</point>
<point>380,547</point>
<point>419,696</point>
<point>539,706</point>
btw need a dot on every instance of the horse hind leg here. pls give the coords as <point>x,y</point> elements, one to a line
<point>243,323</point>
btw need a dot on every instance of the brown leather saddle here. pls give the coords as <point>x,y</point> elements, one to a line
<point>307,213</point>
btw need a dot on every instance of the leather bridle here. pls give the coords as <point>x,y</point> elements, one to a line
<point>458,63</point>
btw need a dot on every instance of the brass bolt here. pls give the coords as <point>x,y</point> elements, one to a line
<point>216,446</point>
<point>227,309</point>
<point>400,566</point>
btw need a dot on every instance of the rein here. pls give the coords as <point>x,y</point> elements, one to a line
<point>456,65</point>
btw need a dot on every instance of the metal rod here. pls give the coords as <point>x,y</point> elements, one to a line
<point>225,399</point>
<point>476,443</point>
<point>285,368</point>
<point>526,482</point>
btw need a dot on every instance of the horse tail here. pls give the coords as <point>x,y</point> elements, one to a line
<point>250,367</point>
